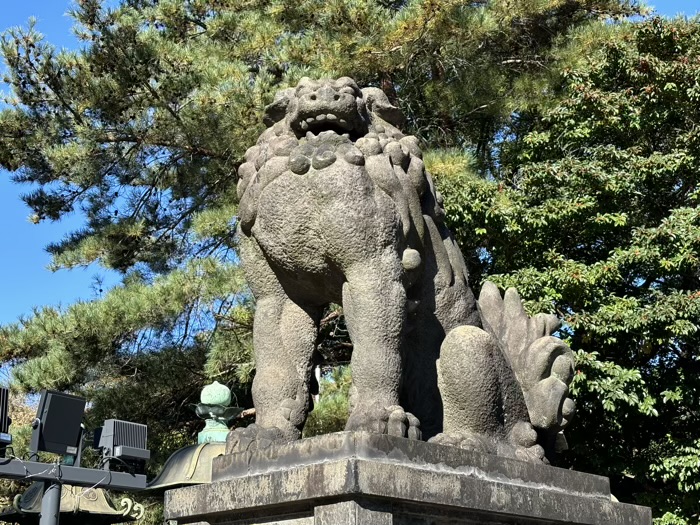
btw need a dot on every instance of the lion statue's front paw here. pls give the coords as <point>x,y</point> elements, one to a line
<point>467,441</point>
<point>253,437</point>
<point>391,420</point>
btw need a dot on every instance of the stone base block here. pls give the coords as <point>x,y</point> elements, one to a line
<point>353,478</point>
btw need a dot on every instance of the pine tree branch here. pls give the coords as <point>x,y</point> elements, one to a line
<point>196,150</point>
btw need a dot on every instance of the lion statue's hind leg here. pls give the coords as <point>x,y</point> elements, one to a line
<point>484,409</point>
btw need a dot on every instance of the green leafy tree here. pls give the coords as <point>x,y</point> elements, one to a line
<point>593,214</point>
<point>332,409</point>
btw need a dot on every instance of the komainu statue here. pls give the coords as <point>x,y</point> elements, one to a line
<point>336,207</point>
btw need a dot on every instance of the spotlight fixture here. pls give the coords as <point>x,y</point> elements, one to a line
<point>58,429</point>
<point>57,425</point>
<point>123,445</point>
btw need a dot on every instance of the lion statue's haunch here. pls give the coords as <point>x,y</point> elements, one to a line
<point>336,206</point>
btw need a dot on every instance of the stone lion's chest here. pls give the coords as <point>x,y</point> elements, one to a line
<point>321,208</point>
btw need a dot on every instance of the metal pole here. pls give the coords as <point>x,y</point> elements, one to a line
<point>78,476</point>
<point>50,503</point>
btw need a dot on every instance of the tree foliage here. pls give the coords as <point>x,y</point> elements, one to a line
<point>594,215</point>
<point>331,410</point>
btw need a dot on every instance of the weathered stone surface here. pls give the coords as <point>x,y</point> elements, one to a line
<point>336,206</point>
<point>388,449</point>
<point>364,512</point>
<point>377,476</point>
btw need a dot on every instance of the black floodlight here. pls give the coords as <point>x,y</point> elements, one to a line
<point>123,445</point>
<point>57,424</point>
<point>5,437</point>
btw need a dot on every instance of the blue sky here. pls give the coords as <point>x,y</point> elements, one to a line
<point>25,282</point>
<point>674,7</point>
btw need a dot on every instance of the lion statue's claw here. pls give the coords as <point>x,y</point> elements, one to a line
<point>391,420</point>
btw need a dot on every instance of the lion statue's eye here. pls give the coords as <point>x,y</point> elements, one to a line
<point>348,90</point>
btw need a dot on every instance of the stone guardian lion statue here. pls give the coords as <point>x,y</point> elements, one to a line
<point>336,207</point>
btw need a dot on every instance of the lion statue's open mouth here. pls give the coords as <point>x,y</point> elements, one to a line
<point>326,106</point>
<point>323,107</point>
<point>338,105</point>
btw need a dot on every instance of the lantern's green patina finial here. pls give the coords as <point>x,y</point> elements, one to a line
<point>215,410</point>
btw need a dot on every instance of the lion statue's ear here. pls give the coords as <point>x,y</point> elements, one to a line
<point>278,109</point>
<point>378,103</point>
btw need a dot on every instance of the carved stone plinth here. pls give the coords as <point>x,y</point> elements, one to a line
<point>358,478</point>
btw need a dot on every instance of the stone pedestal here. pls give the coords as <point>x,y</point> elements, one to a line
<point>357,478</point>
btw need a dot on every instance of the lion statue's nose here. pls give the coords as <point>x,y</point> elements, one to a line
<point>326,94</point>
